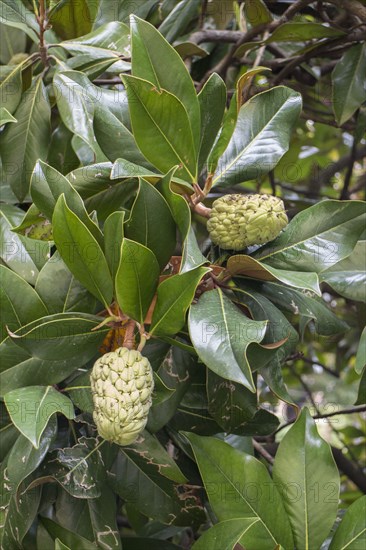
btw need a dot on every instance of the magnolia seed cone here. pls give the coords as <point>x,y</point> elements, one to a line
<point>237,221</point>
<point>121,383</point>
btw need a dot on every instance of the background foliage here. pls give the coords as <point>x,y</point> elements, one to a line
<point>107,126</point>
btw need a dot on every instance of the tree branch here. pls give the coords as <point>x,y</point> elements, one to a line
<point>327,173</point>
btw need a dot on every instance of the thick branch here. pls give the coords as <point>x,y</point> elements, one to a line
<point>327,173</point>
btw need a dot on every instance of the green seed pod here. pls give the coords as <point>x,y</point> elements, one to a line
<point>237,221</point>
<point>122,383</point>
<point>18,58</point>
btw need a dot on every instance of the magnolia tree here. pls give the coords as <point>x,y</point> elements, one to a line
<point>182,268</point>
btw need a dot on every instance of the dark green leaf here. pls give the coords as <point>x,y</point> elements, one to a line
<point>70,334</point>
<point>70,19</point>
<point>149,212</point>
<point>225,534</point>
<point>212,101</point>
<point>351,533</point>
<point>174,297</point>
<point>136,279</point>
<point>47,184</point>
<point>27,141</point>
<point>68,538</point>
<point>11,89</point>
<point>113,238</point>
<point>308,476</point>
<point>317,238</point>
<point>149,48</point>
<point>310,308</point>
<point>81,252</point>
<point>239,486</point>
<point>257,12</point>
<point>24,458</point>
<point>221,335</point>
<point>261,136</point>
<point>178,19</point>
<point>361,353</point>
<point>161,127</point>
<point>298,32</point>
<point>19,302</point>
<point>30,409</point>
<point>15,14</point>
<point>348,277</point>
<point>61,155</point>
<point>349,90</point>
<point>68,294</point>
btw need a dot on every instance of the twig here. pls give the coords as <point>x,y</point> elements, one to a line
<point>299,356</point>
<point>327,173</point>
<point>351,410</point>
<point>42,22</point>
<point>129,339</point>
<point>262,451</point>
<point>203,13</point>
<point>347,178</point>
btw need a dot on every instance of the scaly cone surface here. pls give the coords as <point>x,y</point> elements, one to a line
<point>122,383</point>
<point>237,221</point>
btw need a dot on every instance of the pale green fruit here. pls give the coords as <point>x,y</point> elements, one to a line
<point>18,58</point>
<point>122,383</point>
<point>237,221</point>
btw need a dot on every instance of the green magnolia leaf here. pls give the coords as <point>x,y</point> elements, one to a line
<point>149,48</point>
<point>298,32</point>
<point>176,371</point>
<point>19,302</point>
<point>223,138</point>
<point>240,264</point>
<point>81,252</point>
<point>230,404</point>
<point>70,19</point>
<point>103,511</point>
<point>67,538</point>
<point>161,127</point>
<point>361,397</point>
<point>136,279</point>
<point>32,371</point>
<point>239,486</point>
<point>99,191</point>
<point>257,12</point>
<point>351,533</point>
<point>316,238</point>
<point>68,294</point>
<point>226,534</point>
<point>137,479</point>
<point>305,471</point>
<point>178,19</point>
<point>12,42</point>
<point>24,143</point>
<point>310,308</point>
<point>61,155</point>
<point>123,168</point>
<point>212,101</point>
<point>361,353</point>
<point>5,116</point>
<point>149,211</point>
<point>60,545</point>
<point>47,184</point>
<point>260,138</point>
<point>15,14</point>
<point>73,335</point>
<point>348,276</point>
<point>23,255</point>
<point>77,110</point>
<point>192,257</point>
<point>111,39</point>
<point>11,89</point>
<point>30,409</point>
<point>18,517</point>
<point>349,90</point>
<point>114,137</point>
<point>31,458</point>
<point>174,297</point>
<point>120,11</point>
<point>113,238</point>
<point>221,335</point>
